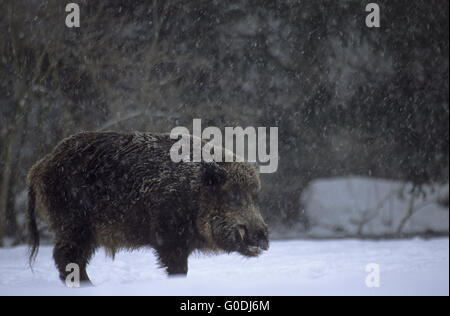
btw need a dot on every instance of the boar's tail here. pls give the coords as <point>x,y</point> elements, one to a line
<point>33,232</point>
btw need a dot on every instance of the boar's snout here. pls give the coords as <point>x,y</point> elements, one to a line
<point>252,240</point>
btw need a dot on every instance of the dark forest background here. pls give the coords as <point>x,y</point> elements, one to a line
<point>348,100</point>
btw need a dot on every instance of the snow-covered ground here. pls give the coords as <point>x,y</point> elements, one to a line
<point>332,267</point>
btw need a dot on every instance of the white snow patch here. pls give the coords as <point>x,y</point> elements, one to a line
<point>356,207</point>
<point>333,267</point>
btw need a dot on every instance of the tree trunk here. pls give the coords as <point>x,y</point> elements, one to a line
<point>16,178</point>
<point>4,187</point>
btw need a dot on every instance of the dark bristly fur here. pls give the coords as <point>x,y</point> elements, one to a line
<point>122,191</point>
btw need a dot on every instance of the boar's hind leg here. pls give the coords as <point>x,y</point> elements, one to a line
<point>76,250</point>
<point>175,260</point>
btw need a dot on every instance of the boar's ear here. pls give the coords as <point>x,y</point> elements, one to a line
<point>213,174</point>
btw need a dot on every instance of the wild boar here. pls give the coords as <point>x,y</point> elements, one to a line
<point>122,191</point>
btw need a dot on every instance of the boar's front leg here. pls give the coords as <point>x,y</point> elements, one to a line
<point>174,259</point>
